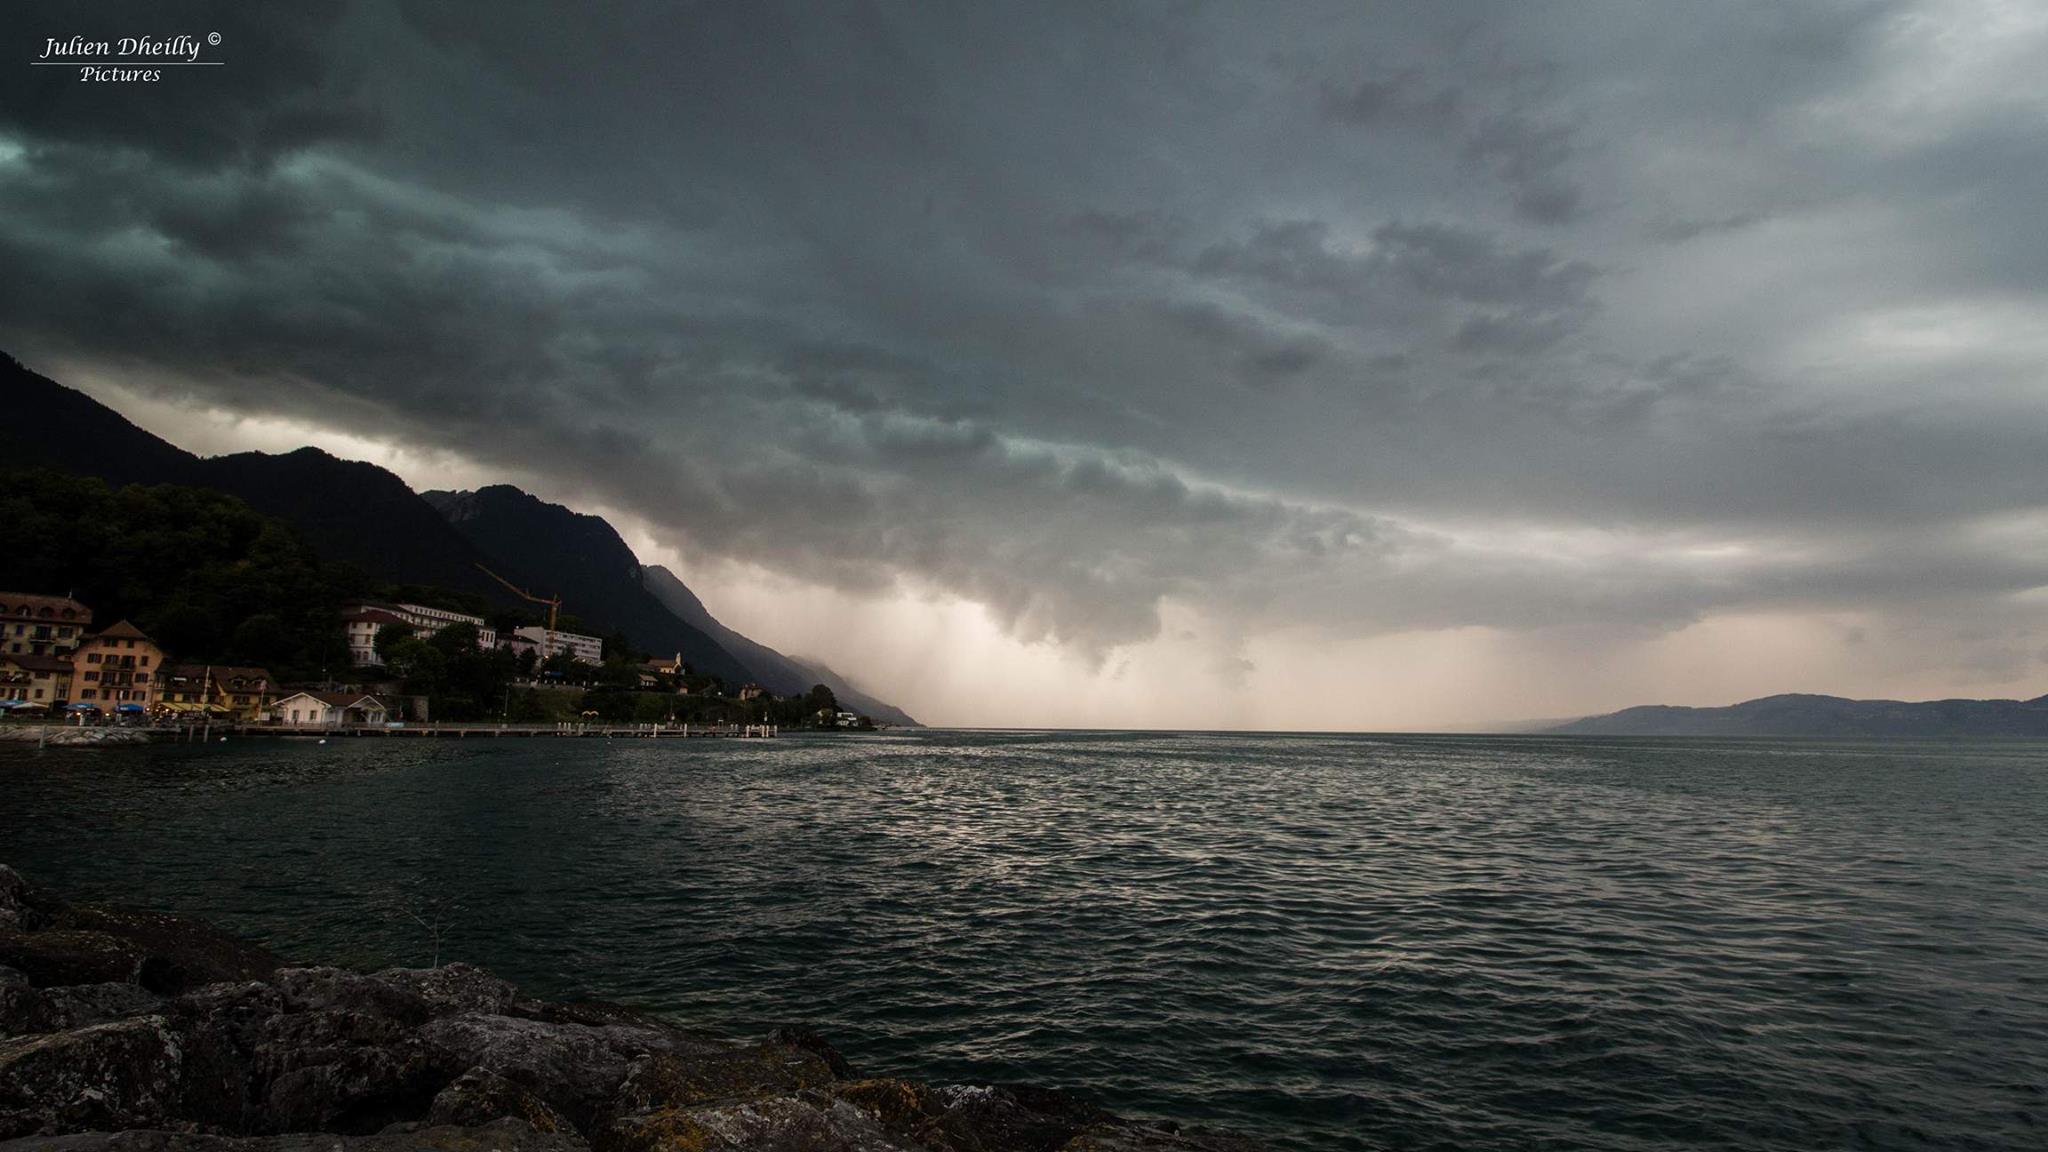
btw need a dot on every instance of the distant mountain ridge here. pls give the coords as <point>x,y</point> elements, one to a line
<point>366,516</point>
<point>1798,714</point>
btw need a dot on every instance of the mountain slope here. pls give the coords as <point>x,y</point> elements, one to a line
<point>361,514</point>
<point>349,511</point>
<point>581,559</point>
<point>50,426</point>
<point>780,674</point>
<point>1807,715</point>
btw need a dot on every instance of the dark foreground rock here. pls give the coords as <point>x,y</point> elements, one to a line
<point>136,1032</point>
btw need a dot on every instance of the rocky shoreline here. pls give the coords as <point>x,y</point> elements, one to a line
<point>71,735</point>
<point>140,1032</point>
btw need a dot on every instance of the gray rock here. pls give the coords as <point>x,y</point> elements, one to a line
<point>78,1005</point>
<point>685,1080</point>
<point>810,1122</point>
<point>480,1097</point>
<point>16,911</point>
<point>329,1050</point>
<point>340,1070</point>
<point>167,955</point>
<point>324,989</point>
<point>106,1076</point>
<point>21,1006</point>
<point>453,989</point>
<point>574,1067</point>
<point>56,957</point>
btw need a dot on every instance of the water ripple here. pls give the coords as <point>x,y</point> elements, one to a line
<point>1344,943</point>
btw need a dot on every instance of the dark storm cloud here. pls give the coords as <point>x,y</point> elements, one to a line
<point>1359,320</point>
<point>288,91</point>
<point>1531,158</point>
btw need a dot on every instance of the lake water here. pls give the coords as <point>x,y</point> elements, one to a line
<point>1336,942</point>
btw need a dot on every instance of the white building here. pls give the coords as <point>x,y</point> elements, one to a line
<point>363,625</point>
<point>364,621</point>
<point>586,649</point>
<point>430,620</point>
<point>328,710</point>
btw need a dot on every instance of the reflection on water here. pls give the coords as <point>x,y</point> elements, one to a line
<point>1342,942</point>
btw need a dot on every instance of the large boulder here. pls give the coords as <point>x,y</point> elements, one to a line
<point>322,1049</point>
<point>57,957</point>
<point>79,944</point>
<point>960,1118</point>
<point>78,1005</point>
<point>341,1069</point>
<point>453,989</point>
<point>123,1074</point>
<point>684,1080</point>
<point>343,990</point>
<point>21,1006</point>
<point>807,1122</point>
<point>220,1028</point>
<point>178,954</point>
<point>479,1096</point>
<point>574,1067</point>
<point>17,908</point>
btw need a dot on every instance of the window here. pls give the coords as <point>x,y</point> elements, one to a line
<point>39,693</point>
<point>88,694</point>
<point>92,677</point>
<point>92,657</point>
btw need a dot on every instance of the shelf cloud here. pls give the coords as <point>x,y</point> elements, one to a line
<point>1576,328</point>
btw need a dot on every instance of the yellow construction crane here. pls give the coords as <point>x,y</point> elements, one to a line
<point>554,605</point>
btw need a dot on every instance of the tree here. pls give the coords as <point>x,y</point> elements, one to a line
<point>820,699</point>
<point>199,570</point>
<point>389,637</point>
<point>455,640</point>
<point>419,664</point>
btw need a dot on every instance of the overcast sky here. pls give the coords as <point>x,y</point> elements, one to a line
<point>1241,365</point>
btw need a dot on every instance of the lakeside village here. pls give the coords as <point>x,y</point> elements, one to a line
<point>55,664</point>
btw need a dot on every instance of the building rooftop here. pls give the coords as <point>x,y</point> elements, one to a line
<point>30,605</point>
<point>336,699</point>
<point>38,663</point>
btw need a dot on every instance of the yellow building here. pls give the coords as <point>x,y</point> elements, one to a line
<point>117,669</point>
<point>35,679</point>
<point>220,688</point>
<point>32,625</point>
